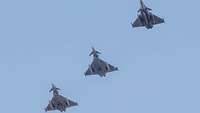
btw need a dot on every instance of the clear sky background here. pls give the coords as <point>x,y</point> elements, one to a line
<point>48,41</point>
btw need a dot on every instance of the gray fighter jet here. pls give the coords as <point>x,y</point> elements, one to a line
<point>98,66</point>
<point>146,18</point>
<point>59,102</point>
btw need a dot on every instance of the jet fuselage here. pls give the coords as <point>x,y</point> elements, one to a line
<point>146,17</point>
<point>99,67</point>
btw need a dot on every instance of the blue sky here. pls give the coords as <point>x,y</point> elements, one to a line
<point>48,41</point>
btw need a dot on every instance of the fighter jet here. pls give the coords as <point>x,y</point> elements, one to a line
<point>98,66</point>
<point>146,18</point>
<point>59,102</point>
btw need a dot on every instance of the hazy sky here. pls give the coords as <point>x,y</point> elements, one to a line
<point>48,41</point>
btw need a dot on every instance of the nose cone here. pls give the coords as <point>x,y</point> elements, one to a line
<point>53,88</point>
<point>93,49</point>
<point>141,2</point>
